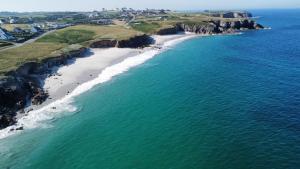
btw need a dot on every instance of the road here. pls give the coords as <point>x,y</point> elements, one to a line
<point>27,42</point>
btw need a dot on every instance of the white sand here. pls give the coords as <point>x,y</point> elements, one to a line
<point>160,40</point>
<point>84,69</point>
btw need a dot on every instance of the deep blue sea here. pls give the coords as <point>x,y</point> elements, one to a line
<point>220,102</point>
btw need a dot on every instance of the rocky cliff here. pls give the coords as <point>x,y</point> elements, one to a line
<point>212,27</point>
<point>138,41</point>
<point>19,88</point>
<point>105,43</point>
<point>170,30</point>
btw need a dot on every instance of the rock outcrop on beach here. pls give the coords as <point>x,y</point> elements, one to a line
<point>212,27</point>
<point>25,85</point>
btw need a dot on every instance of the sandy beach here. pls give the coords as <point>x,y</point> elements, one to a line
<point>66,78</point>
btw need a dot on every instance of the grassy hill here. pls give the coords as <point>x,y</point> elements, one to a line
<point>85,33</point>
<point>60,41</point>
<point>13,58</point>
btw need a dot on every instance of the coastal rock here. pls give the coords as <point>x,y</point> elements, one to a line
<point>6,120</point>
<point>258,26</point>
<point>139,41</point>
<point>204,28</point>
<point>39,96</point>
<point>104,44</point>
<point>169,31</point>
<point>212,27</point>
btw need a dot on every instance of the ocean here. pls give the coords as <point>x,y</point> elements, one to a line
<point>218,102</point>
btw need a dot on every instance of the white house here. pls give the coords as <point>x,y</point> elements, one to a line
<point>94,14</point>
<point>36,29</point>
<point>12,21</point>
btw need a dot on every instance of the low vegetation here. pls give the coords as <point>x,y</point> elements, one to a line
<point>71,36</point>
<point>13,58</point>
<point>4,44</point>
<point>108,32</point>
<point>146,27</point>
<point>85,33</point>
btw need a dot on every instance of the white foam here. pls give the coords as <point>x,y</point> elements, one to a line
<point>55,109</point>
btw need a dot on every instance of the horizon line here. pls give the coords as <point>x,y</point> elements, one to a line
<point>110,9</point>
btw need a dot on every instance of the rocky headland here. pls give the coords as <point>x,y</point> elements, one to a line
<point>212,27</point>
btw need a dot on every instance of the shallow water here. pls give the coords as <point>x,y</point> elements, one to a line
<point>211,102</point>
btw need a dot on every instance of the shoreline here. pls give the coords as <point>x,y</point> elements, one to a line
<point>67,78</point>
<point>82,74</point>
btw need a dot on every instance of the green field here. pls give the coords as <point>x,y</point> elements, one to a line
<point>13,58</point>
<point>147,27</point>
<point>68,36</point>
<point>85,33</point>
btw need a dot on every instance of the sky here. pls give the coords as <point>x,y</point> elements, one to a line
<point>88,5</point>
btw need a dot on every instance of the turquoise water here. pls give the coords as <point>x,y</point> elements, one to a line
<point>217,102</point>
